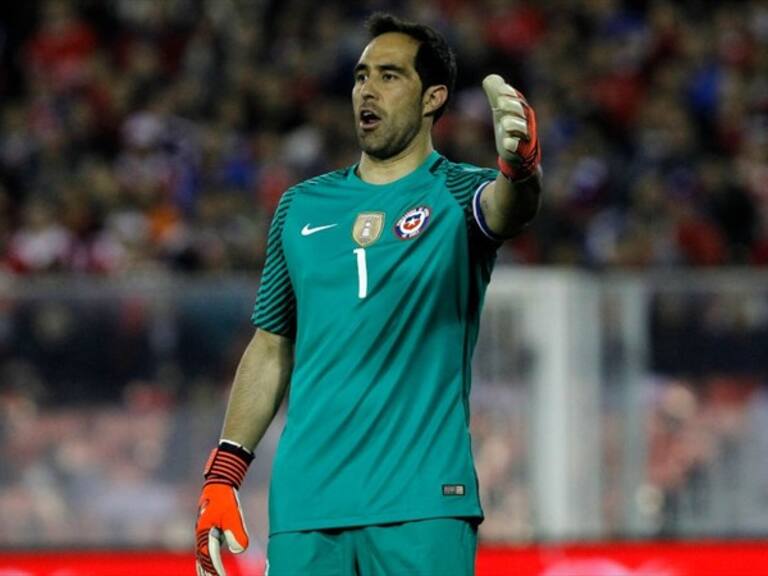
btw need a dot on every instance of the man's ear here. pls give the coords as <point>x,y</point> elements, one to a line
<point>434,97</point>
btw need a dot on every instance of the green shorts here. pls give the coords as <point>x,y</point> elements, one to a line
<point>435,547</point>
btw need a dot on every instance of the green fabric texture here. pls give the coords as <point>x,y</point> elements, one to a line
<point>413,548</point>
<point>381,286</point>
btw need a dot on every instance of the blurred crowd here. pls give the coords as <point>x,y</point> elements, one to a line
<point>141,135</point>
<point>704,438</point>
<point>127,472</point>
<point>110,392</point>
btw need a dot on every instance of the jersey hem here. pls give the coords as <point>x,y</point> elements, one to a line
<point>354,521</point>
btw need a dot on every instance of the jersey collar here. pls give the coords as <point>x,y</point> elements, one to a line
<point>423,172</point>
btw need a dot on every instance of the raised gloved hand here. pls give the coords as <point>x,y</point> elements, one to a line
<point>219,517</point>
<point>514,125</point>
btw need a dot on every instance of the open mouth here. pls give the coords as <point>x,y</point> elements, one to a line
<point>369,120</point>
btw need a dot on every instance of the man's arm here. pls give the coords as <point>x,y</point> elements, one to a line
<point>260,383</point>
<point>259,387</point>
<point>508,205</point>
<point>512,201</point>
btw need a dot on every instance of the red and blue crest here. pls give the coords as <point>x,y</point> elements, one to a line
<point>412,223</point>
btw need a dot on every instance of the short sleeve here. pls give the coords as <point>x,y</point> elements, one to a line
<point>466,183</point>
<point>479,217</point>
<point>483,243</point>
<point>275,309</point>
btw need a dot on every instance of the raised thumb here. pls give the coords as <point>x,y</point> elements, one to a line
<point>494,85</point>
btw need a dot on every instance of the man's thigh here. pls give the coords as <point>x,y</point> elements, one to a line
<point>436,547</point>
<point>315,553</point>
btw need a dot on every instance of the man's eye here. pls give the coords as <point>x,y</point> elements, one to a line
<point>359,77</point>
<point>388,76</point>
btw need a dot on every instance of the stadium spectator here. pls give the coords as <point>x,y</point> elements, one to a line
<point>656,153</point>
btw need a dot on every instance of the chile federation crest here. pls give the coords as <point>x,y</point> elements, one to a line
<point>413,223</point>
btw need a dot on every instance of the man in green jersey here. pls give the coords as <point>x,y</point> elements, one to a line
<point>369,307</point>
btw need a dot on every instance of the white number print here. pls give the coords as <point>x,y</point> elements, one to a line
<point>362,273</point>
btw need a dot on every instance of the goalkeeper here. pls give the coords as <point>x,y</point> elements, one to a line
<point>368,309</point>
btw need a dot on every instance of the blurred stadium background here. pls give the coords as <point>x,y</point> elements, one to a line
<point>620,381</point>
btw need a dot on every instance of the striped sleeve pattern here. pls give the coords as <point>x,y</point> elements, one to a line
<point>465,183</point>
<point>275,309</point>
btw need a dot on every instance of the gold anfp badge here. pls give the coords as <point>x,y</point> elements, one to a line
<point>367,228</point>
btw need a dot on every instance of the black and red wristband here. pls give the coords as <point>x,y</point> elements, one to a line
<point>525,169</point>
<point>227,464</point>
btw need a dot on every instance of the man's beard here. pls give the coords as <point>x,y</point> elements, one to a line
<point>389,145</point>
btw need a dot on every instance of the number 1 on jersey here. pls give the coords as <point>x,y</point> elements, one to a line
<point>362,273</point>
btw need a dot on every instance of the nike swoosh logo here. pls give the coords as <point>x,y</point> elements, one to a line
<point>308,230</point>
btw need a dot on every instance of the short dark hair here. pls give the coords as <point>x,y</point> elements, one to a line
<point>435,61</point>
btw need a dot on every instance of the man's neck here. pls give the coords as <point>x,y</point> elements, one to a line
<point>386,170</point>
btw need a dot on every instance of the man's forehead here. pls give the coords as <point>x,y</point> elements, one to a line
<point>390,48</point>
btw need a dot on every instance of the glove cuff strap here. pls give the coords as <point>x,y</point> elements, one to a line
<point>227,464</point>
<point>514,172</point>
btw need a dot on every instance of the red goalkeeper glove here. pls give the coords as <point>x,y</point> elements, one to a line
<point>514,126</point>
<point>219,516</point>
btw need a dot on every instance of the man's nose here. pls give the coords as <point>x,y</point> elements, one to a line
<point>369,90</point>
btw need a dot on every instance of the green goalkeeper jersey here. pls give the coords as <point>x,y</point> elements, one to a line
<point>381,286</point>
